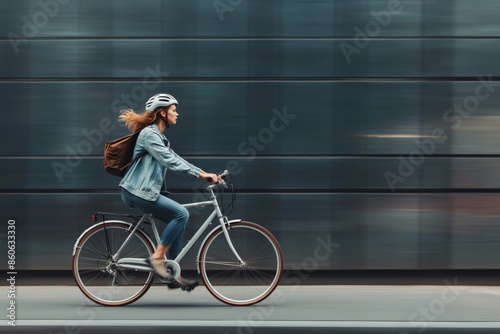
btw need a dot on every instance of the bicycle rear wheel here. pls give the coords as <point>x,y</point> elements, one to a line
<point>99,277</point>
<point>241,284</point>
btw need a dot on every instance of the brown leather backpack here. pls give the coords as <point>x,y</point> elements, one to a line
<point>118,154</point>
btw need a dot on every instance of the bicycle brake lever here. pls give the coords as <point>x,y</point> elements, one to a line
<point>222,181</point>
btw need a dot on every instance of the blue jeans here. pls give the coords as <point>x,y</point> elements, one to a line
<point>174,214</point>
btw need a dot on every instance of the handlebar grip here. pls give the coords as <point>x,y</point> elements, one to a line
<point>225,173</point>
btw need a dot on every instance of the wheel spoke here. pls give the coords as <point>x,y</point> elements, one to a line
<point>224,263</point>
<point>227,279</point>
<point>91,264</point>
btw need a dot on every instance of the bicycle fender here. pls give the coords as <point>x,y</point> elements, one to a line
<point>101,223</point>
<point>206,238</point>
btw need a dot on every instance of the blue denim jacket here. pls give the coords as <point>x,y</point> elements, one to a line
<point>145,177</point>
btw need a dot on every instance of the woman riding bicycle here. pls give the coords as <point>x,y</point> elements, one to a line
<point>141,185</point>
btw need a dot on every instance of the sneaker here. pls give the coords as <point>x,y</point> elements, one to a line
<point>174,285</point>
<point>159,267</point>
<point>186,285</point>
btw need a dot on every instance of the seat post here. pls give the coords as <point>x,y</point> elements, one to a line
<point>135,227</point>
<point>155,230</point>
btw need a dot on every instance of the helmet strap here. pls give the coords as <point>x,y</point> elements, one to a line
<point>164,119</point>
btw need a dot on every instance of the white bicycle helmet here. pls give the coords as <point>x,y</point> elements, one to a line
<point>160,100</point>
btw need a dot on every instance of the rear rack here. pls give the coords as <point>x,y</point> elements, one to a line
<point>114,214</point>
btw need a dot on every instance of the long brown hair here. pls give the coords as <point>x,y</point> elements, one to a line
<point>136,122</point>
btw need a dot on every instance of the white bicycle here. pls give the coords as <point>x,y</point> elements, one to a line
<point>240,262</point>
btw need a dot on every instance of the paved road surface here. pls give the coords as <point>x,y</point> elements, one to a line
<point>328,309</point>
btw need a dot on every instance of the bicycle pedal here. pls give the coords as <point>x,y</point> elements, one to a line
<point>187,289</point>
<point>190,286</point>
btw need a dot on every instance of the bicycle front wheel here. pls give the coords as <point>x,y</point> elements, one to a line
<point>100,277</point>
<point>246,283</point>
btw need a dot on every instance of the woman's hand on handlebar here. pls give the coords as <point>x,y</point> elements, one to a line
<point>209,177</point>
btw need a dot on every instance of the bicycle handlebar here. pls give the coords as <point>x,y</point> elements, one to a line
<point>223,175</point>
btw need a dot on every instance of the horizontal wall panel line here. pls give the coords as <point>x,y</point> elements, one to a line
<point>332,118</point>
<point>279,191</point>
<point>374,231</point>
<point>249,38</point>
<point>327,174</point>
<point>267,157</point>
<point>251,60</point>
<point>245,79</point>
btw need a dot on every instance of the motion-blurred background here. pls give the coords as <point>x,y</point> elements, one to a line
<point>370,123</point>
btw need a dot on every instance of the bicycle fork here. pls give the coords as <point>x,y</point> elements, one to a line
<point>225,225</point>
<point>225,228</point>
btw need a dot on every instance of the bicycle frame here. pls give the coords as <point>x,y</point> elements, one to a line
<point>141,264</point>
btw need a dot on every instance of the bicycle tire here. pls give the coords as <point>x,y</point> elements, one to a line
<point>91,259</point>
<point>235,284</point>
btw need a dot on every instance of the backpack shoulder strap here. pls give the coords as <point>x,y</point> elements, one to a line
<point>131,162</point>
<point>134,160</point>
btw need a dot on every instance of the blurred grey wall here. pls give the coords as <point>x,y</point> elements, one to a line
<point>372,125</point>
